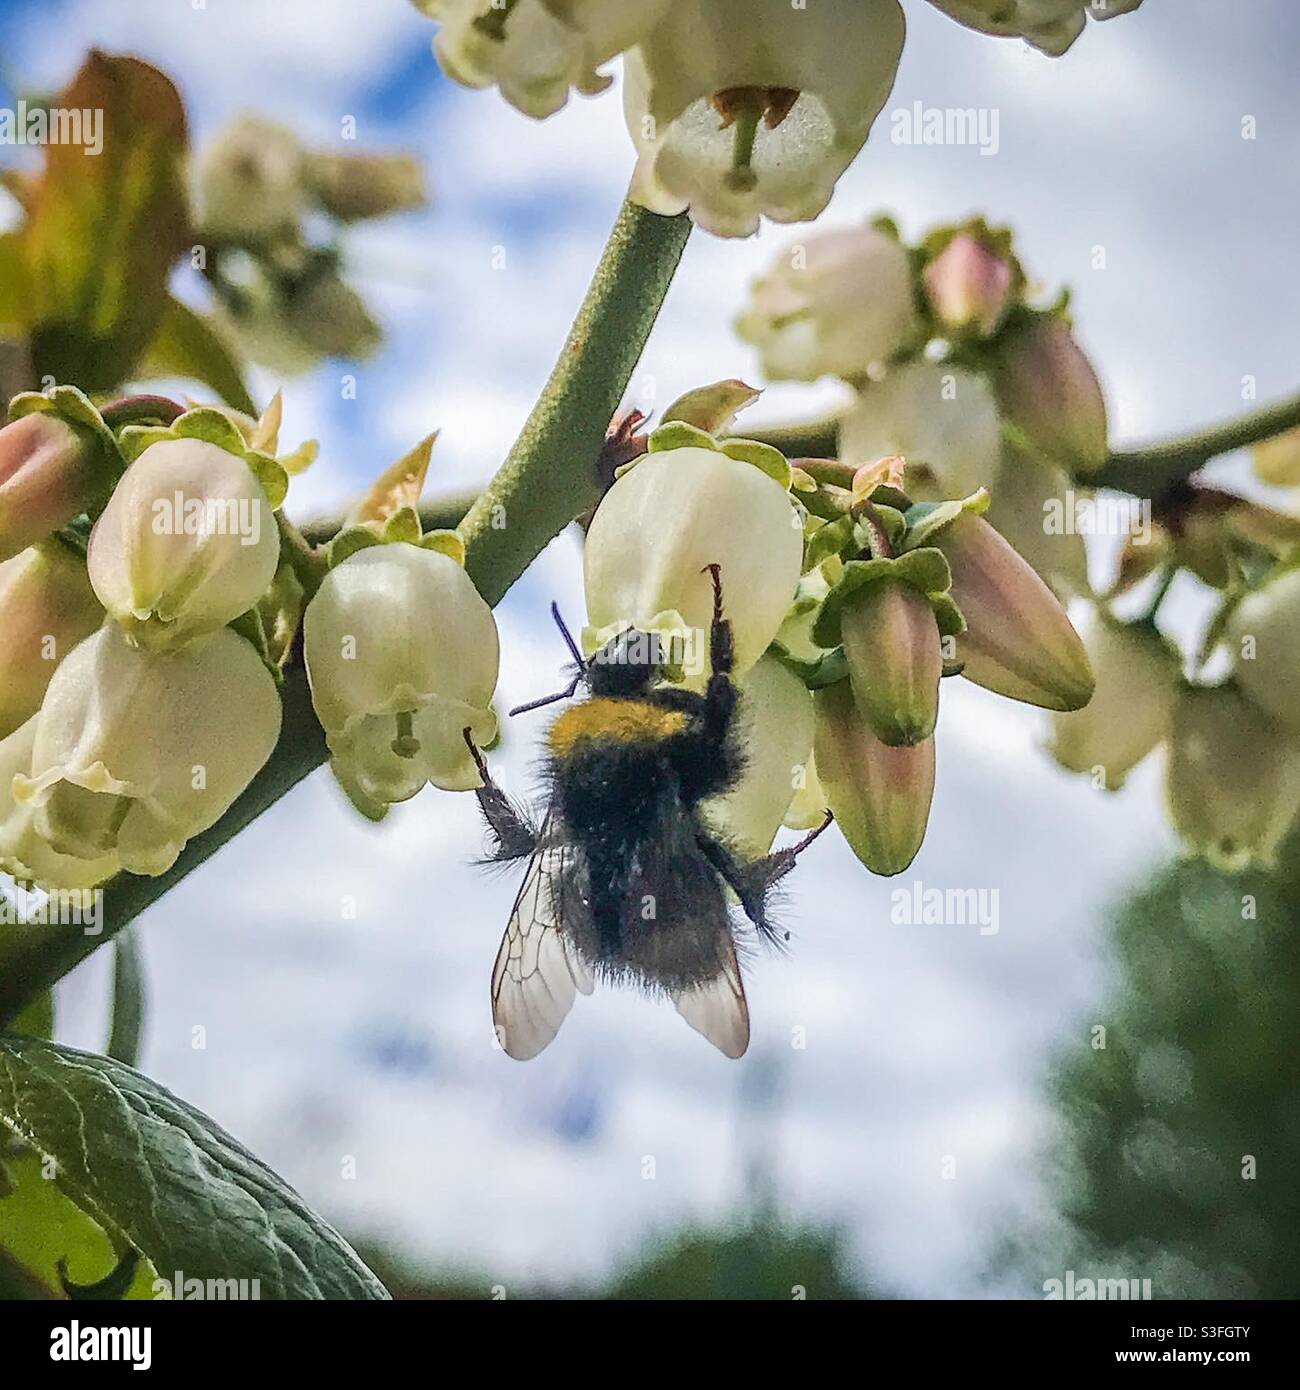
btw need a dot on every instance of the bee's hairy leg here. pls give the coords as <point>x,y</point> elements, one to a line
<point>722,643</point>
<point>740,877</point>
<point>512,835</point>
<point>774,867</point>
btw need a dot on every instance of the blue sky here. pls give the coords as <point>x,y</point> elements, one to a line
<point>330,1038</point>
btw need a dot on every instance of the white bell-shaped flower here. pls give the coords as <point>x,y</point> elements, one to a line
<point>1138,676</point>
<point>749,108</point>
<point>537,51</point>
<point>941,418</point>
<point>136,752</point>
<point>22,851</point>
<point>1233,778</point>
<point>776,718</point>
<point>402,654</point>
<point>674,513</point>
<point>1052,25</point>
<point>837,303</point>
<point>187,543</point>
<point>1263,636</point>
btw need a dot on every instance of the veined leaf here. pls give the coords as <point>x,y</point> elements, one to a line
<point>106,228</point>
<point>161,1178</point>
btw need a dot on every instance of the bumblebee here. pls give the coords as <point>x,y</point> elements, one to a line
<point>626,882</point>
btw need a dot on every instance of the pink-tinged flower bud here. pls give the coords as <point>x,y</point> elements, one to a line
<point>46,607</point>
<point>1047,388</point>
<point>880,796</point>
<point>49,471</point>
<point>1138,678</point>
<point>1019,641</point>
<point>895,660</point>
<point>969,286</point>
<point>1233,782</point>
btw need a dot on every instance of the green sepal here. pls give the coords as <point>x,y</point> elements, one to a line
<point>74,406</point>
<point>926,520</point>
<point>713,407</point>
<point>801,481</point>
<point>948,618</point>
<point>926,571</point>
<point>348,541</point>
<point>449,543</point>
<point>832,539</point>
<point>677,434</point>
<point>403,525</point>
<point>763,456</point>
<point>212,427</point>
<point>828,669</point>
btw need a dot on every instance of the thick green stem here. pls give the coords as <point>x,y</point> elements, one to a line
<point>550,475</point>
<point>549,479</point>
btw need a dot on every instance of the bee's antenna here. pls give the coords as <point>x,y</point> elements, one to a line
<point>568,636</point>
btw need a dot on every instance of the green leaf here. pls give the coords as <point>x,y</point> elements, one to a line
<point>186,344</point>
<point>161,1178</point>
<point>48,1241</point>
<point>105,229</point>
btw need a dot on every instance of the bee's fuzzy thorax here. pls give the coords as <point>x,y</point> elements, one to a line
<point>616,721</point>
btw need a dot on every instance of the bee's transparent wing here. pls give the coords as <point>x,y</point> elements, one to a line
<point>718,1010</point>
<point>536,974</point>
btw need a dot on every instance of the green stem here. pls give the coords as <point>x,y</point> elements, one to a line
<point>1145,472</point>
<point>550,475</point>
<point>548,479</point>
<point>1151,470</point>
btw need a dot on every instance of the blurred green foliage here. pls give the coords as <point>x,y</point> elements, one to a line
<point>1181,1136</point>
<point>758,1259</point>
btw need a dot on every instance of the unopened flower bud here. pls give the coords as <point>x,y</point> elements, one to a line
<point>355,187</point>
<point>776,714</point>
<point>745,108</point>
<point>1263,638</point>
<point>837,303</point>
<point>402,655</point>
<point>968,286</point>
<point>1233,785</point>
<point>50,471</point>
<point>1047,389</point>
<point>941,418</point>
<point>187,542</point>
<point>46,607</point>
<point>895,660</point>
<point>1019,641</point>
<point>1138,675</point>
<point>136,752</point>
<point>880,796</point>
<point>674,513</point>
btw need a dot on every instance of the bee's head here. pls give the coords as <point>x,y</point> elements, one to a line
<point>626,665</point>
